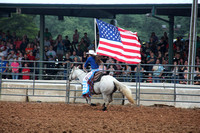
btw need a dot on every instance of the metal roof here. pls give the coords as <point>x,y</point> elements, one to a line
<point>97,10</point>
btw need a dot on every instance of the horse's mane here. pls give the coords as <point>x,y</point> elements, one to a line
<point>81,70</point>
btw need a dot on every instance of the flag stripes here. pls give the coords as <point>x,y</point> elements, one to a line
<point>118,43</point>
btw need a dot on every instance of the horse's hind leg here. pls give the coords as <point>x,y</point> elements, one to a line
<point>107,100</point>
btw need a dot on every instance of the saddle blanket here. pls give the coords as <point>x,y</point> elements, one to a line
<point>88,83</point>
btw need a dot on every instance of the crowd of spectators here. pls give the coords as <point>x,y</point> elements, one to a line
<point>15,51</point>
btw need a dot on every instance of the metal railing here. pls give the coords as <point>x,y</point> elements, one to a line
<point>56,73</point>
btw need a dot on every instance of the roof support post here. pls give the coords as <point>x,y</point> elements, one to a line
<point>192,42</point>
<point>42,24</point>
<point>171,36</point>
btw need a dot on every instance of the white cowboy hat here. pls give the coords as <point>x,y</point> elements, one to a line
<point>91,52</point>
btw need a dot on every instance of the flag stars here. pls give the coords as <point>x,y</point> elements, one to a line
<point>108,31</point>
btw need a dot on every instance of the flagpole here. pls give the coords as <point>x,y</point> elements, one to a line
<point>95,35</point>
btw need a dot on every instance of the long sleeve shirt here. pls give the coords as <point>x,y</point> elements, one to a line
<point>92,62</point>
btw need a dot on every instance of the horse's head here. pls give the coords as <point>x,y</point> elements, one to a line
<point>73,73</point>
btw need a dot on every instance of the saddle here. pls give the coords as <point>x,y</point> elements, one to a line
<point>96,78</point>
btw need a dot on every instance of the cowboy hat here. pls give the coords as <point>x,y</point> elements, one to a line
<point>91,52</point>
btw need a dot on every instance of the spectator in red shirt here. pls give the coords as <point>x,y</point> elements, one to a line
<point>31,57</point>
<point>26,72</point>
<point>17,43</point>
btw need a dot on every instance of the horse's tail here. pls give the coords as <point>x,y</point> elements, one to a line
<point>125,90</point>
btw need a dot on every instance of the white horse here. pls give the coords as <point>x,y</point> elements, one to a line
<point>106,86</point>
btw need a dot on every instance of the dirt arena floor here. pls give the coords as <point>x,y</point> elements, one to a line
<point>81,118</point>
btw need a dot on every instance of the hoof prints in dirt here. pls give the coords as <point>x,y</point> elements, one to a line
<point>60,117</point>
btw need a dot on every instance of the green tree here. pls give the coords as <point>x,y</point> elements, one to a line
<point>21,24</point>
<point>68,25</point>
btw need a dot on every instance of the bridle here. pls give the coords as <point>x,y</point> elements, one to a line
<point>82,72</point>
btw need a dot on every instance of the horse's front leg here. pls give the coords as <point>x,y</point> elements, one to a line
<point>105,105</point>
<point>88,99</point>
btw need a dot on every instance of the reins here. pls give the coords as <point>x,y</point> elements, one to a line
<point>82,72</point>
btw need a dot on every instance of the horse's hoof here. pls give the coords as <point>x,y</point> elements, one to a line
<point>92,104</point>
<point>104,109</point>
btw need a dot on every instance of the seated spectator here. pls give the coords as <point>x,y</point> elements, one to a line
<point>138,73</point>
<point>86,38</point>
<point>50,64</point>
<point>112,63</point>
<point>111,70</point>
<point>15,69</point>
<point>3,66</point>
<point>59,47</point>
<point>147,49</point>
<point>182,69</point>
<point>183,80</point>
<point>157,71</point>
<point>11,56</point>
<point>103,68</point>
<point>79,51</point>
<point>177,57</point>
<point>83,45</point>
<point>197,61</point>
<point>26,38</point>
<point>197,79</point>
<point>47,34</point>
<point>20,59</point>
<point>76,63</point>
<point>91,46</point>
<point>109,61</point>
<point>11,48</point>
<point>4,38</point>
<point>149,80</point>
<point>75,55</point>
<point>18,53</point>
<point>151,60</point>
<point>26,72</point>
<point>51,52</point>
<point>28,49</point>
<point>8,35</point>
<point>154,37</point>
<point>66,60</point>
<point>160,56</point>
<point>47,42</point>
<point>162,45</point>
<point>25,60</point>
<point>181,61</point>
<point>75,37</point>
<point>17,43</point>
<point>84,57</point>
<point>126,71</point>
<point>67,44</point>
<point>31,58</point>
<point>36,52</point>
<point>175,73</point>
<point>46,49</point>
<point>118,69</point>
<point>23,46</point>
<point>1,54</point>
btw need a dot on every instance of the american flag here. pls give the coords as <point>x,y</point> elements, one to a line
<point>120,44</point>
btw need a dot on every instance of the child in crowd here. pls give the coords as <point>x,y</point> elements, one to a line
<point>15,69</point>
<point>111,70</point>
<point>149,80</point>
<point>26,72</point>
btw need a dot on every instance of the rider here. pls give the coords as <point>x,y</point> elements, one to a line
<point>94,62</point>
